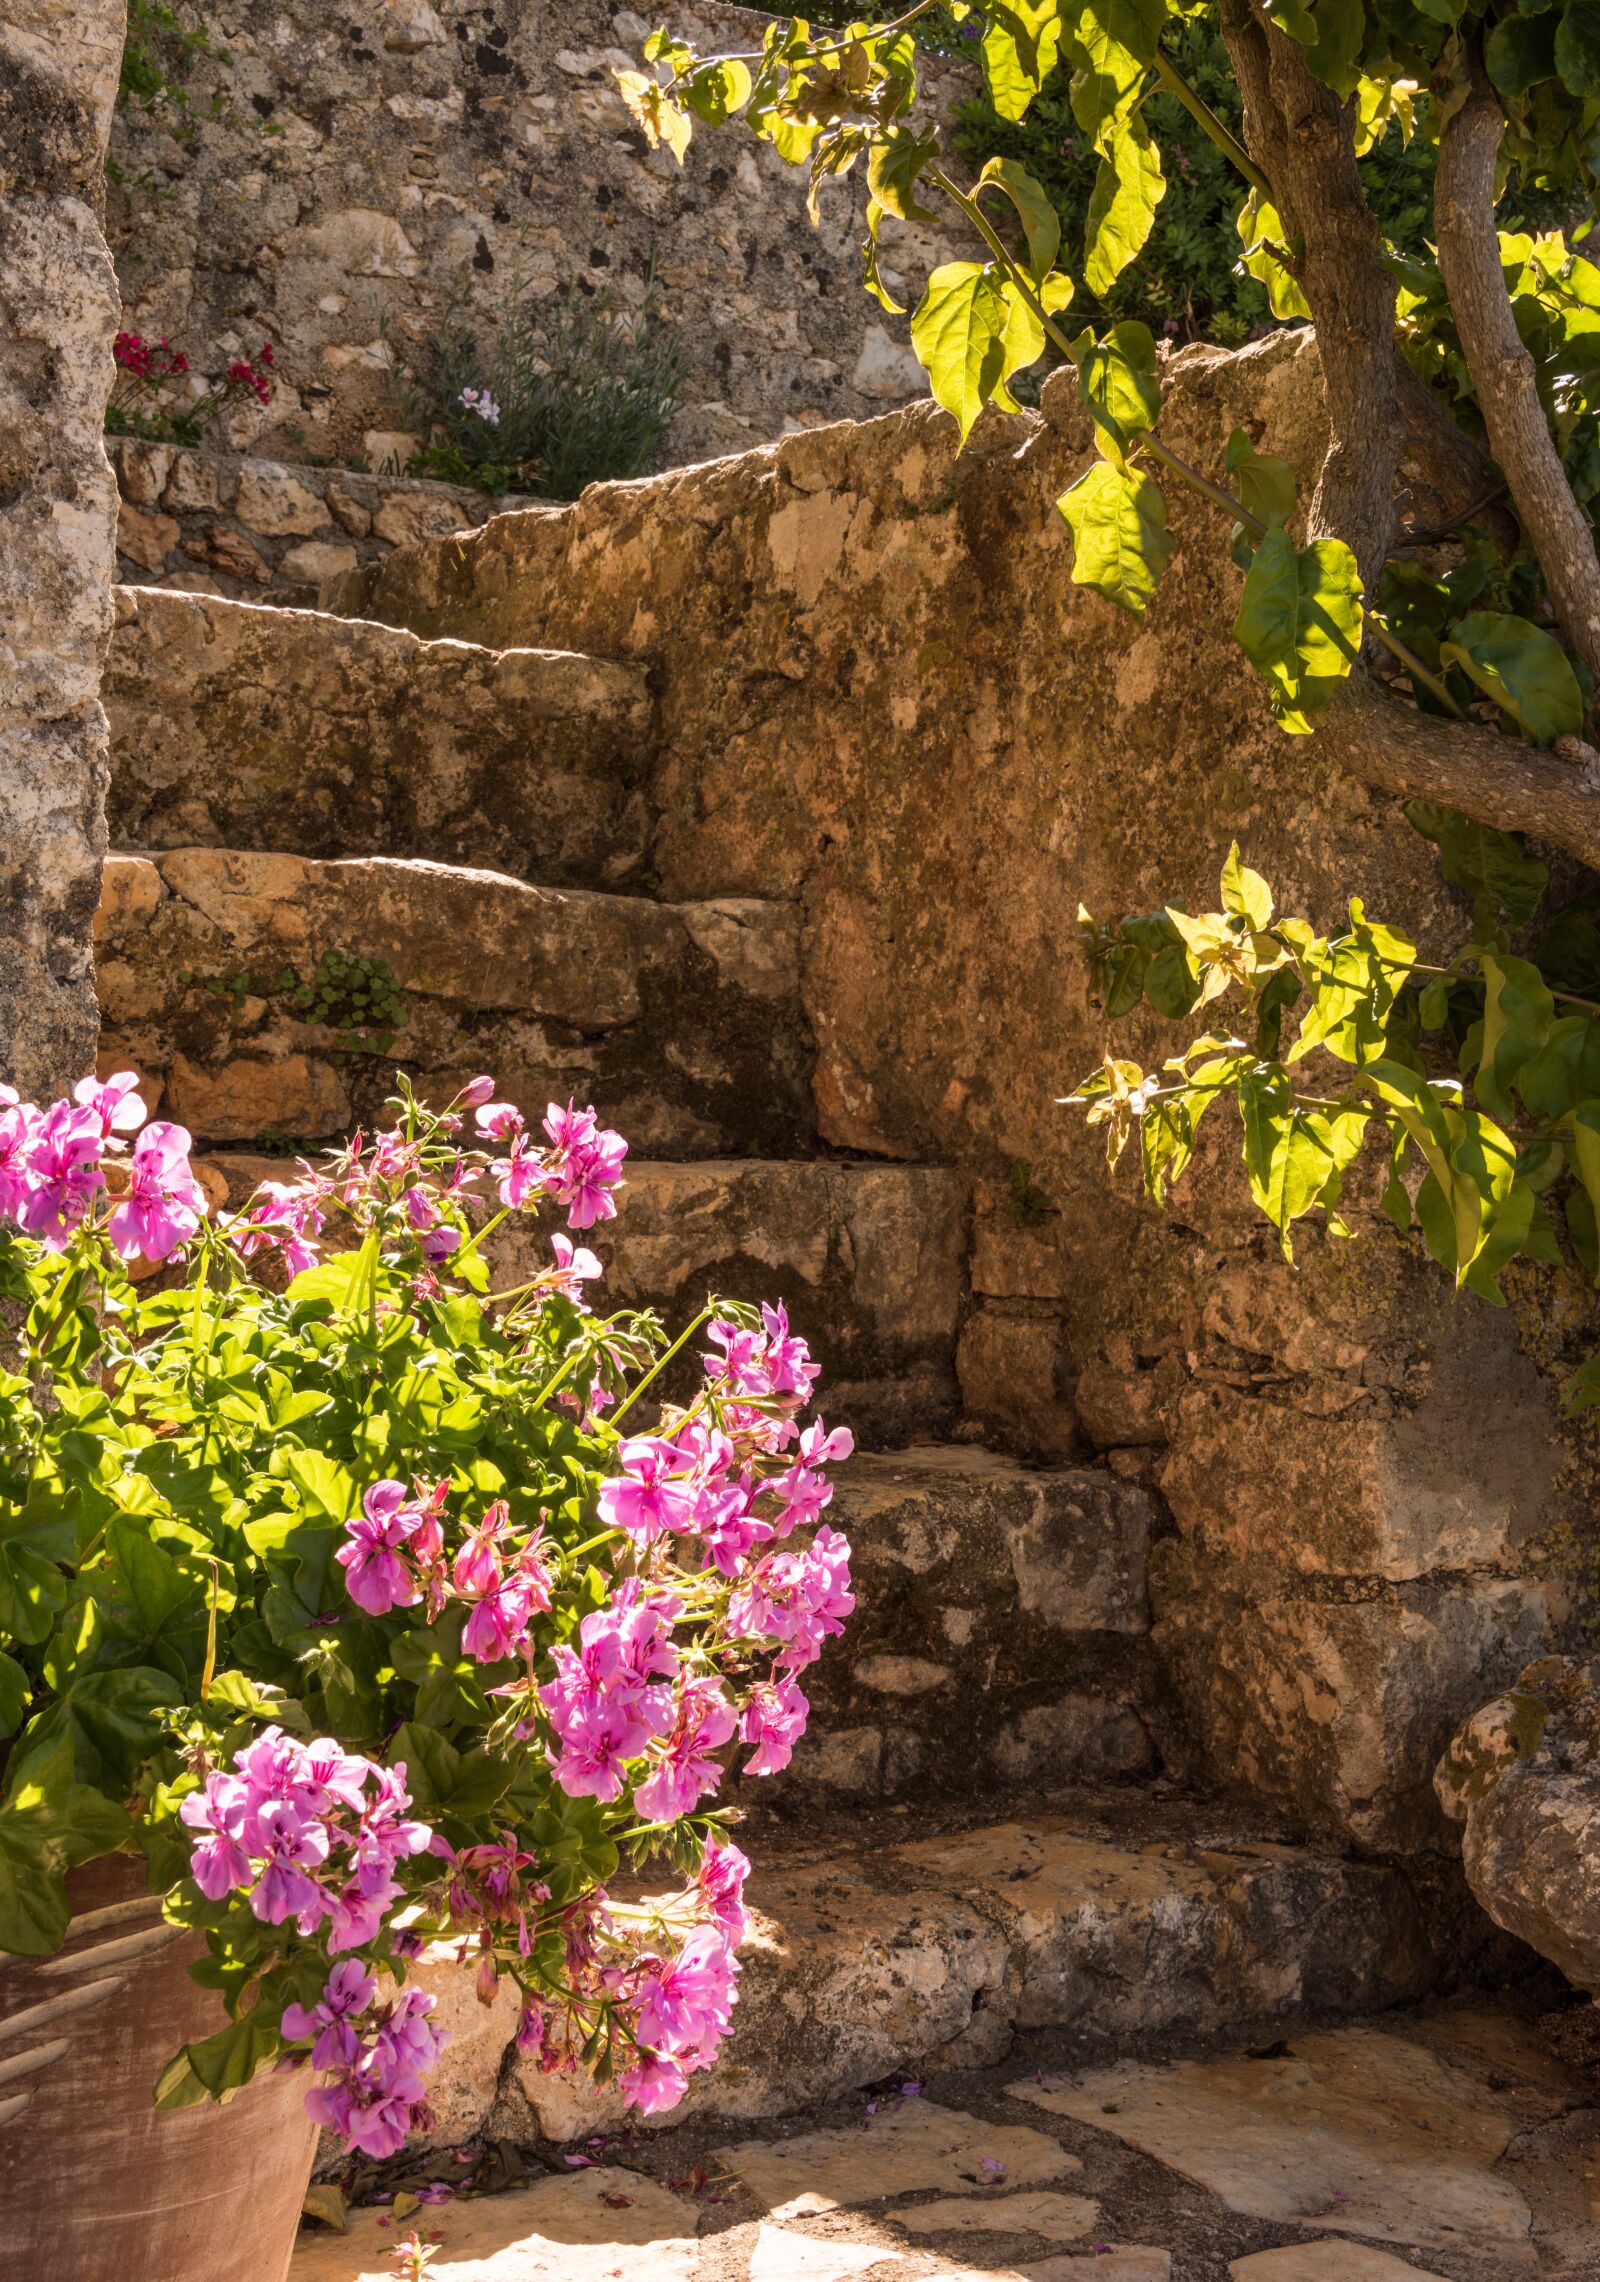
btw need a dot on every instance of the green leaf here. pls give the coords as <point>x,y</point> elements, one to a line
<point>1113,44</point>
<point>1120,541</point>
<point>1586,1164</point>
<point>1577,48</point>
<point>1264,485</point>
<point>1490,867</point>
<point>112,1721</point>
<point>1524,669</point>
<point>15,1688</point>
<point>958,333</point>
<point>893,166</point>
<point>1262,235</point>
<point>1299,623</point>
<point>1122,206</point>
<point>1565,1071</point>
<point>219,2065</point>
<point>1520,53</point>
<point>32,1592</point>
<point>1041,224</point>
<point>717,91</point>
<point>1245,892</point>
<point>1119,381</point>
<point>327,1489</point>
<point>48,1824</point>
<point>1021,41</point>
<point>1470,1159</point>
<point>1517,1013</point>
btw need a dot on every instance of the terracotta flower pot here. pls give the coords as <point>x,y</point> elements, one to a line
<point>95,2184</point>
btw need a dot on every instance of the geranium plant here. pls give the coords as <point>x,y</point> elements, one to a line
<point>375,1608</point>
<point>143,402</point>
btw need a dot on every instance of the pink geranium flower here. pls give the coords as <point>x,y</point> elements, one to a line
<point>165,1204</point>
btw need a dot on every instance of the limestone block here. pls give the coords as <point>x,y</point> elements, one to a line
<point>407,516</point>
<point>1018,1253</point>
<point>277,504</point>
<point>142,470</point>
<point>1016,1377</point>
<point>410,26</point>
<point>1523,1777</point>
<point>146,539</point>
<point>584,2227</point>
<point>258,1094</point>
<point>526,761</point>
<point>200,482</point>
<point>360,242</point>
<point>1463,1478</point>
<point>465,2084</point>
<point>1335,1709</point>
<point>229,551</point>
<point>58,519</point>
<point>316,559</point>
<point>347,511</point>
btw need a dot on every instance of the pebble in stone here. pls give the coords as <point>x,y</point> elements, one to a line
<point>1327,2262</point>
<point>913,2144</point>
<point>1356,2131</point>
<point>590,2228</point>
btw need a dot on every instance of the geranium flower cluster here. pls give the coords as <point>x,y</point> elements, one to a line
<point>309,1833</point>
<point>420,1183</point>
<point>663,1976</point>
<point>53,1169</point>
<point>376,2058</point>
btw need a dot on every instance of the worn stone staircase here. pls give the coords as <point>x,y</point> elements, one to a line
<point>977,1837</point>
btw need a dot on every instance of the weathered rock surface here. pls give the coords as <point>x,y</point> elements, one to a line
<point>1333,1708</point>
<point>240,727</point>
<point>1111,1917</point>
<point>907,2145</point>
<point>868,1259</point>
<point>424,159</point>
<point>223,523</point>
<point>1367,1474</point>
<point>58,507</point>
<point>1523,1776</point>
<point>680,1022</point>
<point>1000,1629</point>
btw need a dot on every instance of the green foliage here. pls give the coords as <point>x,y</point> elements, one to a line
<point>1482,1130</point>
<point>581,391</point>
<point>353,994</point>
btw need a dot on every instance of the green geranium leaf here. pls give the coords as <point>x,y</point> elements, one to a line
<point>1262,234</point>
<point>1120,543</point>
<point>1520,52</point>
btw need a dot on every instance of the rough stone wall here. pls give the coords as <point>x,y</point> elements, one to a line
<point>420,154</point>
<point>256,531</point>
<point>880,695</point>
<point>58,506</point>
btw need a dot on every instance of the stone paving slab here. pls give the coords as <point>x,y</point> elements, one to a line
<point>893,2185</point>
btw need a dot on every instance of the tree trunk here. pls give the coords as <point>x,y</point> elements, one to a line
<point>1501,368</point>
<point>1298,133</point>
<point>58,509</point>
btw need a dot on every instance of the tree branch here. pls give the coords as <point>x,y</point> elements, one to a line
<point>1299,133</point>
<point>1501,368</point>
<point>1498,781</point>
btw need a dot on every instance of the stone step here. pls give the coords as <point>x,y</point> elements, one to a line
<point>1000,1633</point>
<point>681,1021</point>
<point>244,726</point>
<point>880,1944</point>
<point>870,1261</point>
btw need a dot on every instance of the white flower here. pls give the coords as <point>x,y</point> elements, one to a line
<point>480,401</point>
